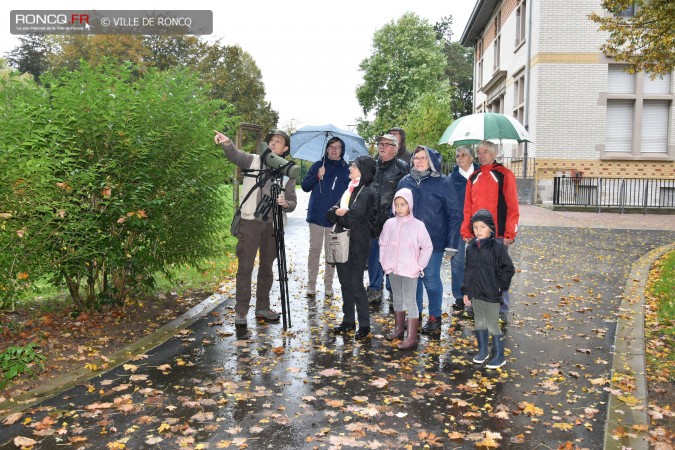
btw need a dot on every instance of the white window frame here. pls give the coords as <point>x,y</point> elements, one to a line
<point>521,18</point>
<point>629,96</point>
<point>497,41</point>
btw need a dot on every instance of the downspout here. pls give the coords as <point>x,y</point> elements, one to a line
<point>527,82</point>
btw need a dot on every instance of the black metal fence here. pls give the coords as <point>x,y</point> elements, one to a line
<point>614,192</point>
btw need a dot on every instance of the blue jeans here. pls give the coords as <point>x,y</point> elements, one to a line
<point>457,271</point>
<point>433,284</point>
<point>375,272</point>
<point>506,298</point>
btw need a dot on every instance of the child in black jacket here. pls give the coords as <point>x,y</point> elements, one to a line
<point>488,272</point>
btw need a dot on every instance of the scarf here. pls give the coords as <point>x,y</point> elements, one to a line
<point>418,175</point>
<point>344,201</point>
<point>466,173</point>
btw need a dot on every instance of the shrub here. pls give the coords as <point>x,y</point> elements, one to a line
<point>18,360</point>
<point>110,180</point>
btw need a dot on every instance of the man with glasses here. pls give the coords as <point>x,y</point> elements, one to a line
<point>403,153</point>
<point>389,172</point>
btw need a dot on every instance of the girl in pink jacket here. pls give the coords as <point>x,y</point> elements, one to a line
<point>405,249</point>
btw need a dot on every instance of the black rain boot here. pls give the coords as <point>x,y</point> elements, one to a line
<point>498,358</point>
<point>483,348</point>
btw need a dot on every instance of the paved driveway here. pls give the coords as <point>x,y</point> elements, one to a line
<point>210,387</point>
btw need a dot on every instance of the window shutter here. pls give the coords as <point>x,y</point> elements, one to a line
<point>619,81</point>
<point>654,137</point>
<point>657,85</point>
<point>619,129</point>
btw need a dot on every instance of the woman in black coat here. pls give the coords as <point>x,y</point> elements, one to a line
<point>355,213</point>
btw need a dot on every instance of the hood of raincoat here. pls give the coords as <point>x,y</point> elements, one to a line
<point>407,196</point>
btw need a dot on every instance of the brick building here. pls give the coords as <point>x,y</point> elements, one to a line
<point>539,61</point>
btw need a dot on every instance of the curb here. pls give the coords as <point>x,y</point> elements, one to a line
<point>629,360</point>
<point>142,345</point>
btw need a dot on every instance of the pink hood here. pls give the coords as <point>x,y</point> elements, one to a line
<point>407,195</point>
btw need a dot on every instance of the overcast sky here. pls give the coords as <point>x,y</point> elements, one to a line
<point>308,50</point>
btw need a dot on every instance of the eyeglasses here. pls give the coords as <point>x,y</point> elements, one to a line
<point>386,144</point>
<point>335,147</point>
<point>419,158</point>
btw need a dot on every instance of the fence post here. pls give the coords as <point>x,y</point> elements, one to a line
<point>597,198</point>
<point>644,201</point>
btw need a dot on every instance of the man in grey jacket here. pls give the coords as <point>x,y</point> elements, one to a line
<point>256,233</point>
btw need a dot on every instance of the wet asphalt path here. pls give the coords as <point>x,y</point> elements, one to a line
<point>212,387</point>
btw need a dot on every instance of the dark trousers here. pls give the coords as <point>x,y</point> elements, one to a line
<point>353,294</point>
<point>254,236</point>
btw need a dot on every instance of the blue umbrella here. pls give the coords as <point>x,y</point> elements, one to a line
<point>309,143</point>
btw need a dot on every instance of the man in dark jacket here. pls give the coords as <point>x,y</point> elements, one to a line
<point>389,172</point>
<point>327,180</point>
<point>403,153</point>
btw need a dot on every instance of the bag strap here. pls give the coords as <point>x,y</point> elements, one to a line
<point>260,182</point>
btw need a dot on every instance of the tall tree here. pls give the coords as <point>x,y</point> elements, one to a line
<point>429,118</point>
<point>231,73</point>
<point>96,49</point>
<point>31,55</point>
<point>641,33</point>
<point>458,71</point>
<point>407,61</point>
<point>170,51</point>
<point>234,76</point>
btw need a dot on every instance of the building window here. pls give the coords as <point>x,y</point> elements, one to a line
<point>497,105</point>
<point>638,110</point>
<point>519,107</point>
<point>519,99</point>
<point>498,39</point>
<point>520,24</point>
<point>628,12</point>
<point>479,66</point>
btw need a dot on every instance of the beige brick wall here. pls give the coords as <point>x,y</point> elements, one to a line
<point>548,168</point>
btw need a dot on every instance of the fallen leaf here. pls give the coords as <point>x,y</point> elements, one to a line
<point>21,441</point>
<point>330,372</point>
<point>379,382</point>
<point>12,418</point>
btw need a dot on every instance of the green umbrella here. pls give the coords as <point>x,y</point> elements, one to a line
<point>493,127</point>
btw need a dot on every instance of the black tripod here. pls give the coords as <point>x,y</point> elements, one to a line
<point>278,222</point>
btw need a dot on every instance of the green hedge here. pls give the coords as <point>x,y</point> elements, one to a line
<point>108,176</point>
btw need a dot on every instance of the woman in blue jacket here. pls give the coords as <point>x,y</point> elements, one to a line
<point>437,206</point>
<point>326,179</point>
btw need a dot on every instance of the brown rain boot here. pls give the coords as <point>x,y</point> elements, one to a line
<point>399,328</point>
<point>411,339</point>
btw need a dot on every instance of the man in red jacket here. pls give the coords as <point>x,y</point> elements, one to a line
<point>493,187</point>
